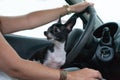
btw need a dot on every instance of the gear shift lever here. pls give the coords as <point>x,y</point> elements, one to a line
<point>106,38</point>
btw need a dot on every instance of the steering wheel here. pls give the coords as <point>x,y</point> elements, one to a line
<point>83,38</point>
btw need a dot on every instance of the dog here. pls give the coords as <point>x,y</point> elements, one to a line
<point>57,34</point>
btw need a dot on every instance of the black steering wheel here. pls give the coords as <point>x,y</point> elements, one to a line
<point>84,37</point>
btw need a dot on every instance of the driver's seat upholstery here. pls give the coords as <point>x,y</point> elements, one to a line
<point>72,39</point>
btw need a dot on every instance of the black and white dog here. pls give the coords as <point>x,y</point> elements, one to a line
<point>58,34</point>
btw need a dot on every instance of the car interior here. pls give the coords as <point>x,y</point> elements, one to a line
<point>95,46</point>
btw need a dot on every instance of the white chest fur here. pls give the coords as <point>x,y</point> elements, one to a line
<point>57,58</point>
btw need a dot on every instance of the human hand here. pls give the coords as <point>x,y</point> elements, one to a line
<point>80,6</point>
<point>84,74</point>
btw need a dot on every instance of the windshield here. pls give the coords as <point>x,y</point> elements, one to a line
<point>106,10</point>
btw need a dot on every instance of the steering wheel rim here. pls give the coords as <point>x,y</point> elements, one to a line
<point>83,37</point>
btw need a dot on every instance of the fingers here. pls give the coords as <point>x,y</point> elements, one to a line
<point>90,4</point>
<point>98,75</point>
<point>81,6</point>
<point>94,73</point>
<point>86,74</point>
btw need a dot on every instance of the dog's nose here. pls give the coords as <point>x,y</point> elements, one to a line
<point>45,33</point>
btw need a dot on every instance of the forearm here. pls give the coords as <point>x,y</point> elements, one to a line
<point>31,20</point>
<point>47,16</point>
<point>30,70</point>
<point>35,71</point>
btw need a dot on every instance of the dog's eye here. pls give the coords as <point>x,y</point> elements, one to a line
<point>57,30</point>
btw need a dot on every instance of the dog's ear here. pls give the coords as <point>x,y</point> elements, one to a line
<point>71,22</point>
<point>59,21</point>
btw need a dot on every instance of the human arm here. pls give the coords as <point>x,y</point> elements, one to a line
<point>32,20</point>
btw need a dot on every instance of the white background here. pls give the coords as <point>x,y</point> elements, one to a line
<point>106,9</point>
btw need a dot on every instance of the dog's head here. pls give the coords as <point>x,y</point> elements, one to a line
<point>59,31</point>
